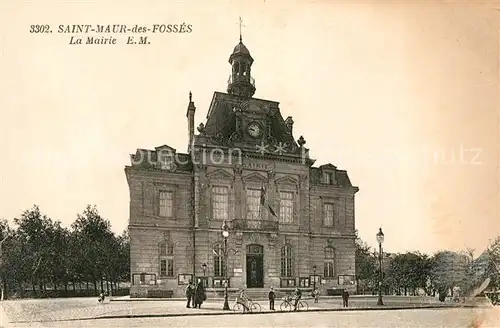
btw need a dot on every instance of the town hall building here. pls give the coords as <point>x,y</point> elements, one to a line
<point>290,223</point>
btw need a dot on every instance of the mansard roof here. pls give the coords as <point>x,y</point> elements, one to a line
<point>148,158</point>
<point>341,177</point>
<point>221,117</point>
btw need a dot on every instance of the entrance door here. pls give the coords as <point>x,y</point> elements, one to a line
<point>255,266</point>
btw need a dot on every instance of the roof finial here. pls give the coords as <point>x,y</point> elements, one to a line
<point>190,96</point>
<point>241,23</point>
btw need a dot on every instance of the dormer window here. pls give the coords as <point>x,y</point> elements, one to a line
<point>327,177</point>
<point>167,163</point>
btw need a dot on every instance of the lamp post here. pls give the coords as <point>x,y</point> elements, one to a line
<point>314,277</point>
<point>380,240</point>
<point>225,234</point>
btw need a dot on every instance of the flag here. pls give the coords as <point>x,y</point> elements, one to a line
<point>264,203</point>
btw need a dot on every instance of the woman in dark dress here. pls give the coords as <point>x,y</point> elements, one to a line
<point>199,294</point>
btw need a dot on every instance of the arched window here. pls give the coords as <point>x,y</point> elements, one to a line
<point>329,270</point>
<point>286,261</point>
<point>166,259</point>
<point>219,265</point>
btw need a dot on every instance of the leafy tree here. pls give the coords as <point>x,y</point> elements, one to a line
<point>366,267</point>
<point>36,236</point>
<point>94,246</point>
<point>409,271</point>
<point>449,269</point>
<point>493,268</point>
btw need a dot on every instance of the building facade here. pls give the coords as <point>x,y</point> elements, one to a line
<point>290,223</point>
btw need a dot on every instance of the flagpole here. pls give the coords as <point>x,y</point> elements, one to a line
<point>260,200</point>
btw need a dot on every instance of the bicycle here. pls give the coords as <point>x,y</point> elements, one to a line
<point>251,306</point>
<point>288,304</point>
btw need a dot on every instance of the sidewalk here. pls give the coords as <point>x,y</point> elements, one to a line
<point>24,311</point>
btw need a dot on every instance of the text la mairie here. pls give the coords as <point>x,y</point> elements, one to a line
<point>291,224</point>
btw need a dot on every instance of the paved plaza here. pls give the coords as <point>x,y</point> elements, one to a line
<point>87,312</point>
<point>446,317</point>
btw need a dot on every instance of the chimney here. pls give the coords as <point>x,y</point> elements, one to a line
<point>190,118</point>
<point>289,124</point>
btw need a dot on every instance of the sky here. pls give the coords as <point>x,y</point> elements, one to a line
<point>402,95</point>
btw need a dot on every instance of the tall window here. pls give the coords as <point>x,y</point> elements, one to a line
<point>220,202</point>
<point>166,203</point>
<point>329,262</point>
<point>219,264</point>
<point>253,204</point>
<point>166,259</point>
<point>286,207</point>
<point>329,213</point>
<point>286,261</point>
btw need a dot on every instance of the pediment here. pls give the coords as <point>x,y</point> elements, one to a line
<point>328,166</point>
<point>287,180</point>
<point>165,150</point>
<point>220,174</point>
<point>255,177</point>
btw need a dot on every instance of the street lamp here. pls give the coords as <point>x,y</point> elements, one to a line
<point>314,277</point>
<point>380,240</point>
<point>225,234</point>
<point>204,267</point>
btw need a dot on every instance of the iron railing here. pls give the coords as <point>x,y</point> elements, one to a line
<point>241,78</point>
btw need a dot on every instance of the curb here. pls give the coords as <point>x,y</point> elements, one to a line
<point>145,299</point>
<point>168,315</point>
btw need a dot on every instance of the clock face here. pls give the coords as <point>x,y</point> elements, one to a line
<point>254,130</point>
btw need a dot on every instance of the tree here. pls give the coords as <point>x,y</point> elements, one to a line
<point>366,267</point>
<point>95,246</point>
<point>493,268</point>
<point>38,247</point>
<point>409,271</point>
<point>449,269</point>
<point>5,233</point>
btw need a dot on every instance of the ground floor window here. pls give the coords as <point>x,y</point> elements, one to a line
<point>287,282</point>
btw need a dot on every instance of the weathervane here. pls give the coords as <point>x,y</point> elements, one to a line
<point>241,24</point>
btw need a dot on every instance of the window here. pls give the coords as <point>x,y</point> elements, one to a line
<point>167,163</point>
<point>166,203</point>
<point>286,261</point>
<point>287,283</point>
<point>253,204</point>
<point>329,214</point>
<point>219,265</point>
<point>286,207</point>
<point>220,202</point>
<point>304,282</point>
<point>329,262</point>
<point>166,259</point>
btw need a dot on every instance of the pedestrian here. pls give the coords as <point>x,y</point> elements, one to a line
<point>272,296</point>
<point>297,295</point>
<point>199,295</point>
<point>190,294</point>
<point>316,295</point>
<point>345,298</point>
